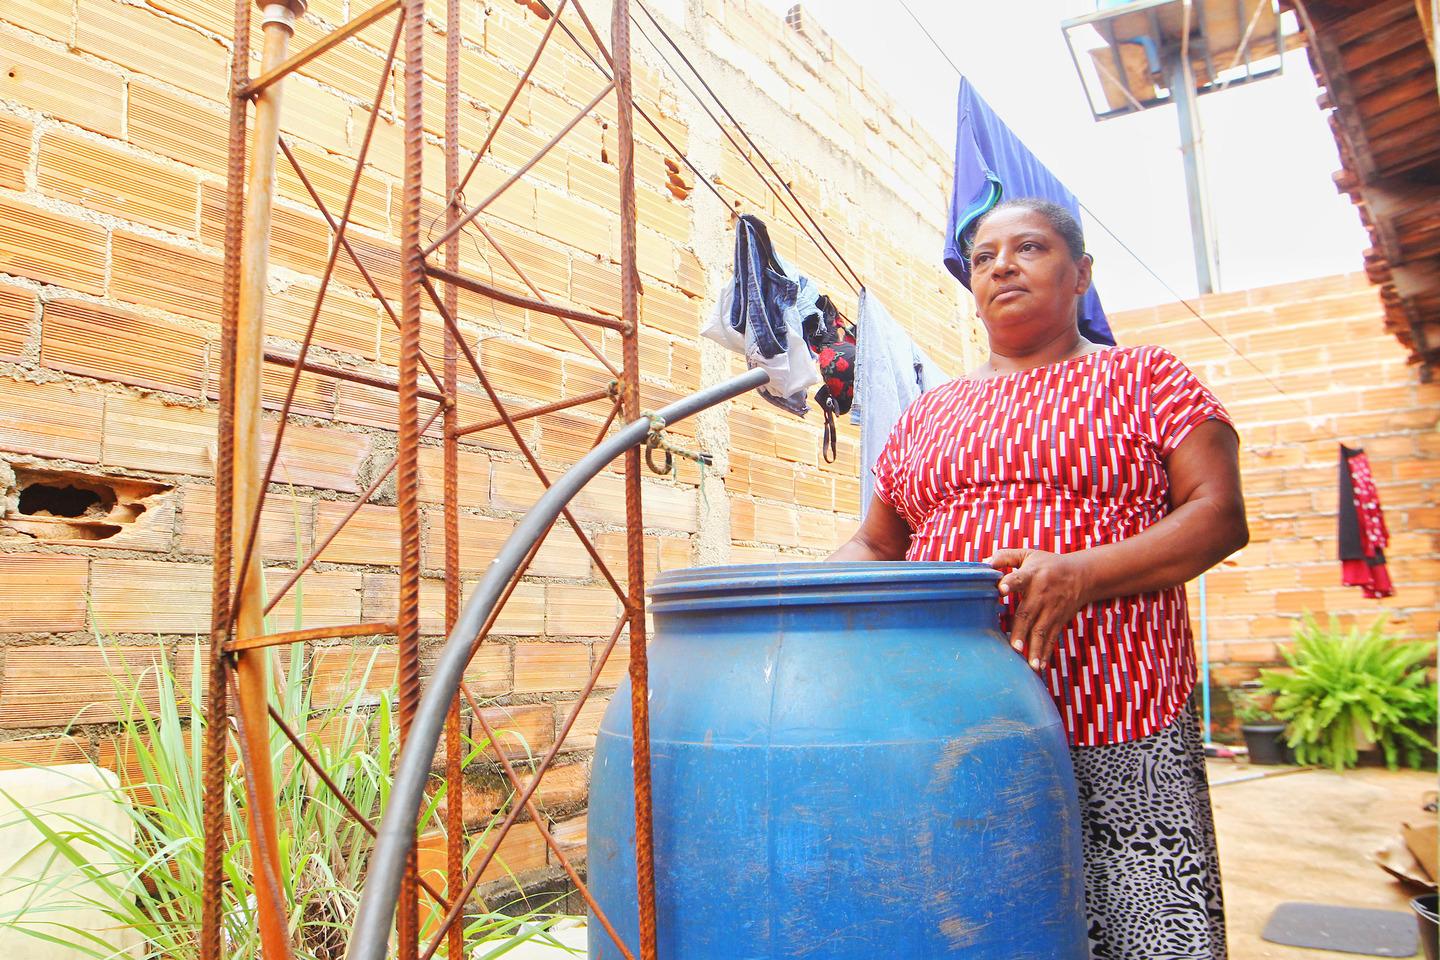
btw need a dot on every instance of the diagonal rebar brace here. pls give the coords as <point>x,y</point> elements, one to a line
<point>457,909</point>
<point>360,501</point>
<point>525,450</point>
<point>525,168</point>
<point>525,279</point>
<point>456,191</point>
<point>327,43</point>
<point>294,384</point>
<point>353,254</point>
<point>370,931</point>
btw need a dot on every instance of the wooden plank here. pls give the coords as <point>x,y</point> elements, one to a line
<point>1380,43</point>
<point>1383,74</point>
<point>1373,15</point>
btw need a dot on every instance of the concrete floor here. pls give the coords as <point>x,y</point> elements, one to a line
<point>1297,836</point>
<point>1307,836</point>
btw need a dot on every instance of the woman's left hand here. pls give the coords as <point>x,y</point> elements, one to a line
<point>1051,587</point>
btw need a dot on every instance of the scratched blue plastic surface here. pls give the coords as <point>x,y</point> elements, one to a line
<point>848,762</point>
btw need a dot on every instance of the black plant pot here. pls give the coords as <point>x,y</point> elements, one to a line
<point>1425,916</point>
<point>1266,742</point>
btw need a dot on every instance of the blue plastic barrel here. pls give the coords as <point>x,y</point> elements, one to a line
<point>849,763</point>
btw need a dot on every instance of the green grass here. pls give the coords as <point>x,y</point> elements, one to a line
<point>152,882</point>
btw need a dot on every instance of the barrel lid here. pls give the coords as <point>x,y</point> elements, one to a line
<point>785,583</point>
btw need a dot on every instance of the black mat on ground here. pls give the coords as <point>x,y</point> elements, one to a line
<point>1372,933</point>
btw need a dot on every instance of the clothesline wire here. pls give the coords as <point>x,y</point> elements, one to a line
<point>749,140</point>
<point>738,149</point>
<point>565,28</point>
<point>1147,268</point>
<point>684,158</point>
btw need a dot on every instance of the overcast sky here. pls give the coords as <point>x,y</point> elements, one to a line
<point>1269,152</point>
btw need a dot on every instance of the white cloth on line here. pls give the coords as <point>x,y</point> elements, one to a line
<point>890,373</point>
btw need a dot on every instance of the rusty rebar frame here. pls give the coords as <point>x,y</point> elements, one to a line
<point>231,686</point>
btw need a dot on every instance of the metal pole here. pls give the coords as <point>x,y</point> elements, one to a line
<point>412,271</point>
<point>1202,233</point>
<point>454,770</point>
<point>217,707</point>
<point>252,668</point>
<point>634,517</point>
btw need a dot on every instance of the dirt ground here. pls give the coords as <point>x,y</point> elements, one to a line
<point>1307,836</point>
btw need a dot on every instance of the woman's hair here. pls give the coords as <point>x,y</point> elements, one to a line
<point>1061,219</point>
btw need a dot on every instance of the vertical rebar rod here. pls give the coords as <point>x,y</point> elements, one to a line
<point>407,469</point>
<point>252,667</point>
<point>454,773</point>
<point>634,517</point>
<point>217,707</point>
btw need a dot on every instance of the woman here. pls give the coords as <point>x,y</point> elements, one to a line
<point>1100,479</point>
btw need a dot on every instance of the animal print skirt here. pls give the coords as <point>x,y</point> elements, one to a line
<point>1152,875</point>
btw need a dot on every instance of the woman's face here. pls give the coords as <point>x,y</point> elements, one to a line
<point>1024,279</point>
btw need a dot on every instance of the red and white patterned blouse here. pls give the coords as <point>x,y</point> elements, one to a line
<point>1062,458</point>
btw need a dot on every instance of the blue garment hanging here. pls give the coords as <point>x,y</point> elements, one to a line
<point>992,164</point>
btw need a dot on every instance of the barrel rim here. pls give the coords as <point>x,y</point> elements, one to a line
<point>852,580</point>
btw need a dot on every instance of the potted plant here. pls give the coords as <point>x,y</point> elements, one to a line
<point>1264,735</point>
<point>1345,689</point>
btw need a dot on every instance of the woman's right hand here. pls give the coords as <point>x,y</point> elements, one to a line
<point>1052,588</point>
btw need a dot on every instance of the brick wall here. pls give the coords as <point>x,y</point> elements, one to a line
<point>1324,343</point>
<point>112,144</point>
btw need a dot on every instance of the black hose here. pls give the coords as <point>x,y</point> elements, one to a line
<point>371,934</point>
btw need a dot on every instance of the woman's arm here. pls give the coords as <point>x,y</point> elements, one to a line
<point>884,535</point>
<point>1205,525</point>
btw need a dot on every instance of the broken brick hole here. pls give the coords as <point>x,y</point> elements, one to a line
<point>68,506</point>
<point>53,500</point>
